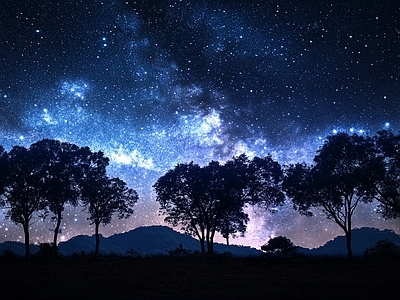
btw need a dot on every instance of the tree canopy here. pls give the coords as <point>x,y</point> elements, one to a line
<point>345,172</point>
<point>210,199</point>
<point>279,246</point>
<point>204,200</point>
<point>23,188</point>
<point>59,176</point>
<point>388,189</point>
<point>49,174</point>
<point>103,196</point>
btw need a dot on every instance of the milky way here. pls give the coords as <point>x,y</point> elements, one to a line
<point>156,83</point>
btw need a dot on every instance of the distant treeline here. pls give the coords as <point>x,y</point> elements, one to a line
<point>347,170</point>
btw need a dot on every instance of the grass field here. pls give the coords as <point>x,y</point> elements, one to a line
<point>194,277</point>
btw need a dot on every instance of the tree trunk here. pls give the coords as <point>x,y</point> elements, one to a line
<point>96,251</point>
<point>57,229</point>
<point>348,235</point>
<point>208,239</point>
<point>210,247</point>
<point>227,232</point>
<point>348,244</point>
<point>26,233</point>
<point>203,249</point>
<point>210,243</point>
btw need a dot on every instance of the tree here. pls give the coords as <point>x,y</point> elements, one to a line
<point>103,196</point>
<point>263,178</point>
<point>203,200</point>
<point>223,202</point>
<point>388,189</point>
<point>23,189</point>
<point>254,182</point>
<point>345,173</point>
<point>180,193</point>
<point>383,249</point>
<point>279,246</point>
<point>3,169</point>
<point>59,176</point>
<point>232,223</point>
<point>210,199</point>
<point>3,174</point>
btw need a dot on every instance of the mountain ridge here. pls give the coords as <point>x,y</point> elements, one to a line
<point>362,238</point>
<point>159,240</point>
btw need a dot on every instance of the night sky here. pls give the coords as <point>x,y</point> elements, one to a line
<point>156,83</point>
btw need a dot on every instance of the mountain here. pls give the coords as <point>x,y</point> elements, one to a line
<point>361,239</point>
<point>17,248</point>
<point>149,240</point>
<point>158,240</point>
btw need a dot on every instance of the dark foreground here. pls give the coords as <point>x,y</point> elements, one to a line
<point>87,277</point>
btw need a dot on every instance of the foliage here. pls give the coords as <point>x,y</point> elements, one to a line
<point>179,251</point>
<point>47,250</point>
<point>59,177</point>
<point>345,173</point>
<point>23,188</point>
<point>253,182</point>
<point>109,196</point>
<point>132,253</point>
<point>280,246</point>
<point>103,196</point>
<point>179,193</point>
<point>388,189</point>
<point>262,180</point>
<point>210,199</point>
<point>383,249</point>
<point>3,167</point>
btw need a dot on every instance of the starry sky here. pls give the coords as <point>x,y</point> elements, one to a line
<point>156,83</point>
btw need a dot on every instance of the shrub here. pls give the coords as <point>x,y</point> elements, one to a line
<point>180,251</point>
<point>47,250</point>
<point>279,246</point>
<point>132,253</point>
<point>383,248</point>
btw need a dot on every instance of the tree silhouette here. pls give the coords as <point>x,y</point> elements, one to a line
<point>180,193</point>
<point>3,175</point>
<point>59,176</point>
<point>232,223</point>
<point>279,246</point>
<point>23,189</point>
<point>388,189</point>
<point>223,202</point>
<point>254,182</point>
<point>383,249</point>
<point>103,196</point>
<point>263,178</point>
<point>210,199</point>
<point>345,172</point>
<point>201,200</point>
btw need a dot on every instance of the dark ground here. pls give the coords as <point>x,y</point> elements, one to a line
<point>219,277</point>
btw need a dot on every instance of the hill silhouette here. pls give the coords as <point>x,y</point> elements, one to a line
<point>362,238</point>
<point>158,240</point>
<point>149,240</point>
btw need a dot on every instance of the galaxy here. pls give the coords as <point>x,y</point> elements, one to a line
<point>157,83</point>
